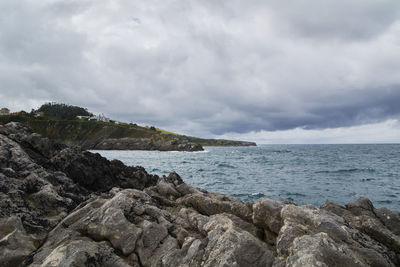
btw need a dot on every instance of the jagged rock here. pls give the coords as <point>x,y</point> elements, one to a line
<point>306,225</point>
<point>15,243</point>
<point>390,219</point>
<point>42,181</point>
<point>61,206</point>
<point>231,245</point>
<point>381,225</point>
<point>79,252</point>
<point>211,203</point>
<point>267,214</point>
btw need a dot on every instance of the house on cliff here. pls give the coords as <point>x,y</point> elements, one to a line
<point>83,117</point>
<point>95,118</point>
<point>4,111</point>
<point>38,114</point>
<point>103,118</point>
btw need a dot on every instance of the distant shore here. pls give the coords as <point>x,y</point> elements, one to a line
<point>100,135</point>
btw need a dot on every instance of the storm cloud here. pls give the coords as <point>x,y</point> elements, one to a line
<point>207,67</point>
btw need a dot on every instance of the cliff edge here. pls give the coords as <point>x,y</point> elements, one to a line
<point>99,135</point>
<point>62,206</point>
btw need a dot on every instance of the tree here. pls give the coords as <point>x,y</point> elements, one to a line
<point>63,111</point>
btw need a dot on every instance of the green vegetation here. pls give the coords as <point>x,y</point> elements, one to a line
<point>62,111</point>
<point>59,122</point>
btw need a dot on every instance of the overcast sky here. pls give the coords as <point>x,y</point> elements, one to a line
<point>284,71</point>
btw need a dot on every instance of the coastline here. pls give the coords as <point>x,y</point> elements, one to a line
<point>61,204</point>
<point>100,135</point>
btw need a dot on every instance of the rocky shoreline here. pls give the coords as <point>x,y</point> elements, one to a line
<point>127,143</point>
<point>100,135</point>
<point>62,206</point>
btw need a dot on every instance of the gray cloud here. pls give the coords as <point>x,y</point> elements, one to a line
<point>206,67</point>
<point>348,20</point>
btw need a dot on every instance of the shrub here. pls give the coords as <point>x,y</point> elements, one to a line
<point>63,111</point>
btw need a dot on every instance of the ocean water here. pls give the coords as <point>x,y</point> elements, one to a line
<point>304,174</point>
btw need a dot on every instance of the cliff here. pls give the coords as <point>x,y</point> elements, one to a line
<point>111,136</point>
<point>62,206</point>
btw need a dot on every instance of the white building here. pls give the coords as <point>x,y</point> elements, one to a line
<point>4,111</point>
<point>39,114</point>
<point>100,117</point>
<point>103,118</point>
<point>83,117</point>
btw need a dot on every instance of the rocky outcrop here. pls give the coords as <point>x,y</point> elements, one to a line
<point>246,143</point>
<point>94,135</point>
<point>223,142</point>
<point>61,206</point>
<point>144,144</point>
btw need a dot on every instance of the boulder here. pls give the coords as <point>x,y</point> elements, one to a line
<point>15,243</point>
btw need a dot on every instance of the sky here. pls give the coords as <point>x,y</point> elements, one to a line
<point>292,71</point>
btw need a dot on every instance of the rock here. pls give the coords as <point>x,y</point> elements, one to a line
<point>381,225</point>
<point>314,236</point>
<point>128,143</point>
<point>320,250</point>
<point>167,189</point>
<point>211,203</point>
<point>390,219</point>
<point>61,206</point>
<point>79,252</point>
<point>267,215</point>
<point>229,245</point>
<point>42,181</point>
<point>15,243</point>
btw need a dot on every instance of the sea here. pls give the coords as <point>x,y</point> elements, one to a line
<point>304,174</point>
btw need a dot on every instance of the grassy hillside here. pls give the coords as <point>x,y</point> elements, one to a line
<point>86,133</point>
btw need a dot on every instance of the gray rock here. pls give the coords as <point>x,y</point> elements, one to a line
<point>61,206</point>
<point>80,252</point>
<point>211,203</point>
<point>128,143</point>
<point>15,243</point>
<point>229,245</point>
<point>267,215</point>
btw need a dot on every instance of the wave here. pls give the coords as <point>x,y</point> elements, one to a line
<point>225,165</point>
<point>295,194</point>
<point>352,170</point>
<point>189,152</point>
<point>384,202</point>
<point>367,179</point>
<point>198,152</point>
<point>219,173</point>
<point>280,151</point>
<point>258,194</point>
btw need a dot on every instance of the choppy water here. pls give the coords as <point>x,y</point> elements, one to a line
<point>300,173</point>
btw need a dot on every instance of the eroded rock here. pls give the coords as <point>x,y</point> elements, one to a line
<point>61,206</point>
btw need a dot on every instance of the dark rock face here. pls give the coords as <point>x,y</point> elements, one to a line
<point>144,144</point>
<point>61,206</point>
<point>246,143</point>
<point>42,181</point>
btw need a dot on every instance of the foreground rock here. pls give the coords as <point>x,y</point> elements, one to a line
<point>61,206</point>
